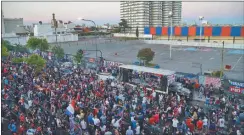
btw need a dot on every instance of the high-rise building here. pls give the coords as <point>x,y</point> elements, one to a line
<point>149,13</point>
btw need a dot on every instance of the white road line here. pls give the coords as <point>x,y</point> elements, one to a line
<point>162,53</point>
<point>211,58</point>
<point>236,63</point>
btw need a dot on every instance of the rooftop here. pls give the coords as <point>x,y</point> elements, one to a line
<point>148,69</point>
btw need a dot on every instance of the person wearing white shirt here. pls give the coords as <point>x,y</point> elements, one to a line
<point>103,128</point>
<point>58,121</point>
<point>83,124</point>
<point>96,121</point>
<point>154,94</point>
<point>205,123</point>
<point>144,99</point>
<point>138,129</point>
<point>160,97</point>
<point>134,106</point>
<point>221,123</point>
<point>175,124</point>
<point>116,123</point>
<point>169,108</point>
<point>29,103</point>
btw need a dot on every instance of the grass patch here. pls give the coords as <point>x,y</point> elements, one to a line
<point>150,65</point>
<point>128,38</point>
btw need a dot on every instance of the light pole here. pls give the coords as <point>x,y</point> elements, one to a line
<point>200,19</point>
<point>95,30</point>
<point>222,60</point>
<point>171,32</point>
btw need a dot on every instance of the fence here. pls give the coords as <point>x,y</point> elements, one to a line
<point>132,35</point>
<point>202,44</point>
<point>22,40</point>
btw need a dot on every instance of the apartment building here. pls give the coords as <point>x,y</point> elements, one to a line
<point>149,13</point>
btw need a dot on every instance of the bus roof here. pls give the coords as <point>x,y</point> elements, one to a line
<point>148,69</point>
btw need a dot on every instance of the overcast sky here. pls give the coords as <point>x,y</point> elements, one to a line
<point>109,12</point>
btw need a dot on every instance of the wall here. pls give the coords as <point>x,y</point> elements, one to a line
<point>43,29</point>
<point>183,43</point>
<point>10,24</point>
<point>50,39</point>
<point>207,31</point>
<point>2,24</point>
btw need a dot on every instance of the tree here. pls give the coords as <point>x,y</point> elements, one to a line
<point>21,48</point>
<point>37,43</point>
<point>137,32</point>
<point>123,24</point>
<point>116,30</point>
<point>36,61</point>
<point>217,73</point>
<point>58,51</point>
<point>5,52</point>
<point>146,54</point>
<point>18,60</point>
<point>16,47</point>
<point>78,57</point>
<point>7,45</point>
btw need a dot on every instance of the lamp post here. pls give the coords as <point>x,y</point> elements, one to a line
<point>200,19</point>
<point>95,30</point>
<point>171,32</point>
<point>222,60</point>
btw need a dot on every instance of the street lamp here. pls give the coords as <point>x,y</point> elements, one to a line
<point>200,19</point>
<point>171,31</point>
<point>95,30</point>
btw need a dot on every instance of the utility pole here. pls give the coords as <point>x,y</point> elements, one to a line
<point>222,60</point>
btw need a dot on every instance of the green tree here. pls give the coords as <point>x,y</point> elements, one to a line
<point>116,30</point>
<point>36,61</point>
<point>216,73</point>
<point>123,24</point>
<point>5,52</point>
<point>18,60</point>
<point>146,54</point>
<point>78,57</point>
<point>7,45</point>
<point>58,51</point>
<point>37,43</point>
<point>137,32</point>
<point>21,48</point>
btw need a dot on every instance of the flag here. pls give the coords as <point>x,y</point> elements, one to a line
<point>70,110</point>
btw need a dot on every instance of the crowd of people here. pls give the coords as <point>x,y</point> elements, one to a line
<point>80,103</point>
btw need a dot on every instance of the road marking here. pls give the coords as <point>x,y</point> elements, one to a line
<point>211,58</point>
<point>236,63</point>
<point>162,53</point>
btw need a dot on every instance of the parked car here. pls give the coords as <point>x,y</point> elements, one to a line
<point>177,87</point>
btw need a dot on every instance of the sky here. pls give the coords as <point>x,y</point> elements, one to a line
<point>109,12</point>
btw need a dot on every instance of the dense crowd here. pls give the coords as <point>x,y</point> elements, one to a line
<point>36,104</point>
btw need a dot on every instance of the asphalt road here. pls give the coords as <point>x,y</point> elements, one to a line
<point>182,57</point>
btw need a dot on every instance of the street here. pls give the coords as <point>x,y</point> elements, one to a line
<point>182,57</point>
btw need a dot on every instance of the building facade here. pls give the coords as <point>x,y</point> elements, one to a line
<point>149,13</point>
<point>10,24</point>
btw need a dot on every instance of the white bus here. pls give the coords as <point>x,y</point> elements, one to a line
<point>146,76</point>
